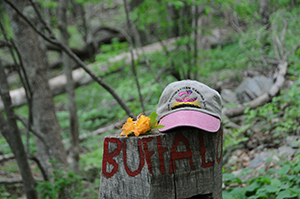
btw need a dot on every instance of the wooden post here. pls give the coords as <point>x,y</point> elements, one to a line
<point>183,163</point>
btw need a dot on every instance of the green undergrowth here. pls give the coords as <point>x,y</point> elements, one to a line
<point>68,184</point>
<point>273,183</point>
<point>281,116</point>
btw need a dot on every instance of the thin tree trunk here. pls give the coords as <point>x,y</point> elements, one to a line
<point>195,13</point>
<point>264,12</point>
<point>12,135</point>
<point>47,12</point>
<point>35,63</point>
<point>91,42</point>
<point>70,88</point>
<point>132,57</point>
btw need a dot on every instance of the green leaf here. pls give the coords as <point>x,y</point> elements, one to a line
<point>276,183</point>
<point>153,116</point>
<point>284,186</point>
<point>285,194</point>
<point>153,121</point>
<point>158,127</point>
<point>271,189</point>
<point>261,193</point>
<point>178,4</point>
<point>284,170</point>
<point>253,187</point>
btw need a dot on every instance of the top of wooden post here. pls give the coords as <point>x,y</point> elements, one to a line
<point>179,164</point>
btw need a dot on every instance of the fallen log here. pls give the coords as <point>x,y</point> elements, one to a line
<point>16,180</point>
<point>89,49</point>
<point>261,100</point>
<point>57,84</point>
<point>6,157</point>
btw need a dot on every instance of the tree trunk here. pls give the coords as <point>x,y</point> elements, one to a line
<point>141,37</point>
<point>174,13</point>
<point>12,135</point>
<point>93,46</point>
<point>47,12</point>
<point>204,21</point>
<point>264,12</point>
<point>33,55</point>
<point>70,88</point>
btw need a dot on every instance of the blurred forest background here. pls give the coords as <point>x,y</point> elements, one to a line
<point>71,71</point>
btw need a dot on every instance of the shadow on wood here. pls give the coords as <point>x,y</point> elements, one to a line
<point>206,196</point>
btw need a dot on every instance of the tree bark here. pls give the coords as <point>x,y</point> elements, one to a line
<point>44,118</point>
<point>12,135</point>
<point>67,62</point>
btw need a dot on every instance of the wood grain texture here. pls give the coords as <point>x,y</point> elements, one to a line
<point>183,163</point>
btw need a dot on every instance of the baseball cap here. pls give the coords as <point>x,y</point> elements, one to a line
<point>189,103</point>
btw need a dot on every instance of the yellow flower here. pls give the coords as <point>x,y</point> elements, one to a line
<point>128,127</point>
<point>142,125</point>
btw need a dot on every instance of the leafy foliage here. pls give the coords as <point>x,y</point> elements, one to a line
<point>61,183</point>
<point>65,183</point>
<point>3,193</point>
<point>93,159</point>
<point>281,115</point>
<point>235,137</point>
<point>273,183</point>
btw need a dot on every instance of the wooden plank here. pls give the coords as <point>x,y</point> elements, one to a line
<point>183,163</point>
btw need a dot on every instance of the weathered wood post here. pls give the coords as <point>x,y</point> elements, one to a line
<point>183,160</point>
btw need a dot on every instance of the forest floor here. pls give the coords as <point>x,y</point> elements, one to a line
<point>258,152</point>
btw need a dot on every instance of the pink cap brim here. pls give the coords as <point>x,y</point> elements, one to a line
<point>190,118</point>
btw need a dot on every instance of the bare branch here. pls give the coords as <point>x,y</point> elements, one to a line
<point>4,43</point>
<point>164,68</point>
<point>38,134</point>
<point>283,32</point>
<point>37,161</point>
<point>7,157</point>
<point>41,18</point>
<point>76,59</point>
<point>53,41</point>
<point>57,84</point>
<point>132,57</point>
<point>275,47</point>
<point>28,91</point>
<point>280,46</point>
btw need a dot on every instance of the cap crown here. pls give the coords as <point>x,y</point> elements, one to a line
<point>189,95</point>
